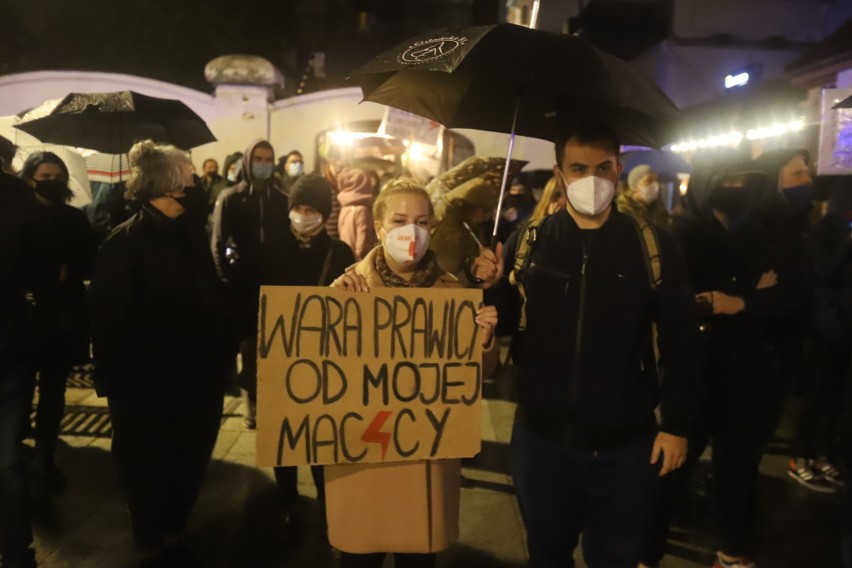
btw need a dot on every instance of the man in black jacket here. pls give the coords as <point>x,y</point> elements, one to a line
<point>586,448</point>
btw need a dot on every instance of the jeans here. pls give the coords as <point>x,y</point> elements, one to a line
<point>16,392</point>
<point>606,495</point>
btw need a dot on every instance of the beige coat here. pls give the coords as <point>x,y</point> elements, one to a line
<point>393,507</point>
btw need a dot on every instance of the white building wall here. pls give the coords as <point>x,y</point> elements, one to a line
<point>238,114</point>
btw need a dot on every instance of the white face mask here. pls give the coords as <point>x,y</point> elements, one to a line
<point>305,224</point>
<point>294,169</point>
<point>407,244</point>
<point>232,175</point>
<point>649,193</point>
<point>590,195</point>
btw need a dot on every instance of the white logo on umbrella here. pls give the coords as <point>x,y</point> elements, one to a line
<point>431,49</point>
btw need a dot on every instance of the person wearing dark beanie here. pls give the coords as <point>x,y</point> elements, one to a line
<point>314,191</point>
<point>310,258</point>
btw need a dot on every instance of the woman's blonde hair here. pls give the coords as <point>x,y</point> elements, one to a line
<point>399,187</point>
<point>552,192</point>
<point>156,170</point>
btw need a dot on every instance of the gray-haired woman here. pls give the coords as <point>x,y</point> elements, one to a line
<point>161,346</point>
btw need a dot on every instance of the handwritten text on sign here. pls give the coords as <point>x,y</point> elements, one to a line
<point>390,375</point>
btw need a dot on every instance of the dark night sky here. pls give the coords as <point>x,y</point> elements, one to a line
<point>172,40</point>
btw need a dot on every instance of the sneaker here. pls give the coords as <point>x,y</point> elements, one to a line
<point>738,564</point>
<point>830,473</point>
<point>808,476</point>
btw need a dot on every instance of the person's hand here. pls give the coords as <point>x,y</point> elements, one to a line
<point>767,280</point>
<point>673,450</point>
<point>722,303</point>
<point>486,318</point>
<point>487,268</point>
<point>352,282</point>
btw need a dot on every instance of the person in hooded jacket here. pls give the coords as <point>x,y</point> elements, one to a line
<point>642,198</point>
<point>355,223</point>
<point>251,225</point>
<point>64,332</point>
<point>741,285</point>
<point>162,339</point>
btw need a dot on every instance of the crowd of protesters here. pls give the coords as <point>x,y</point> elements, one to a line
<point>638,336</point>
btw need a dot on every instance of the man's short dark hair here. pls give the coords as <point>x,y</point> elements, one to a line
<point>587,133</point>
<point>208,160</point>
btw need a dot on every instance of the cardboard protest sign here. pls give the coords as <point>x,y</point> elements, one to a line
<point>390,375</point>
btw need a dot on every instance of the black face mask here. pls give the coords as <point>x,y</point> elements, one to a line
<point>732,201</point>
<point>193,200</point>
<point>53,190</point>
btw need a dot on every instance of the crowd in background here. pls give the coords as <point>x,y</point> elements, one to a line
<point>176,259</point>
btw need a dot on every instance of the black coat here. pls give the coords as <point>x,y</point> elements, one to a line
<point>27,265</point>
<point>316,263</point>
<point>64,332</point>
<point>586,370</point>
<point>159,311</point>
<point>255,222</point>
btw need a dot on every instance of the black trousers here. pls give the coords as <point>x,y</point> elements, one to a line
<point>739,417</point>
<point>161,447</point>
<point>16,394</point>
<point>52,378</point>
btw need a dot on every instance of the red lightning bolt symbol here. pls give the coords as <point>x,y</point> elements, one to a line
<point>373,433</point>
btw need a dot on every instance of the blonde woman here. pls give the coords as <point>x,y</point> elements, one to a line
<point>161,342</point>
<point>553,199</point>
<point>408,508</point>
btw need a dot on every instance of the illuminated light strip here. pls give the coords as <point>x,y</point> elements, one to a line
<point>735,137</point>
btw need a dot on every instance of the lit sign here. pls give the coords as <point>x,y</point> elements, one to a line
<point>738,80</point>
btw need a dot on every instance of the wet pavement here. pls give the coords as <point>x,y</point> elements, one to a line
<point>238,521</point>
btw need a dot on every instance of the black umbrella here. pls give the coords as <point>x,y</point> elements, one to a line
<point>845,103</point>
<point>513,79</point>
<point>112,122</point>
<point>474,78</point>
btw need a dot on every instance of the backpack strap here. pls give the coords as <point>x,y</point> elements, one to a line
<point>650,244</point>
<point>522,260</point>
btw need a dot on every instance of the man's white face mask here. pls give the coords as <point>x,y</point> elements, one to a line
<point>589,195</point>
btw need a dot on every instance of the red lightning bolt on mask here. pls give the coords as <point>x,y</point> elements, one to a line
<point>373,433</point>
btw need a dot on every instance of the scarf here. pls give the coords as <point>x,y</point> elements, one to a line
<point>427,273</point>
<point>304,241</point>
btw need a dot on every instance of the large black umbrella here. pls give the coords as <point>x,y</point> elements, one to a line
<point>112,122</point>
<point>518,80</point>
<point>475,77</point>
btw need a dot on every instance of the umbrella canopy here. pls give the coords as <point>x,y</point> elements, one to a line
<point>845,103</point>
<point>667,164</point>
<point>112,122</point>
<point>477,77</point>
<point>107,168</point>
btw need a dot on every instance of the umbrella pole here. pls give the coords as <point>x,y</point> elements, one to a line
<point>505,175</point>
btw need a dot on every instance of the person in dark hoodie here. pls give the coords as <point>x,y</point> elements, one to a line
<point>741,285</point>
<point>251,225</point>
<point>162,339</point>
<point>64,331</point>
<point>586,451</point>
<point>26,267</point>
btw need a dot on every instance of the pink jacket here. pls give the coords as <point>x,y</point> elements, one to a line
<point>355,224</point>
